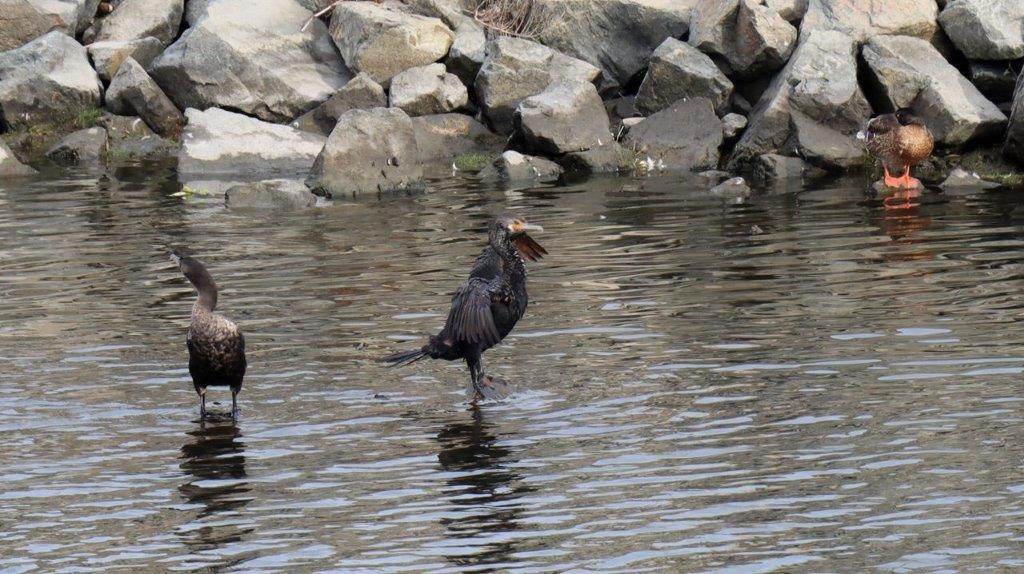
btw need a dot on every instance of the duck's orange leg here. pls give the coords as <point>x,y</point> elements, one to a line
<point>911,182</point>
<point>891,181</point>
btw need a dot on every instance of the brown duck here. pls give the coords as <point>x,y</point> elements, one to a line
<point>900,140</point>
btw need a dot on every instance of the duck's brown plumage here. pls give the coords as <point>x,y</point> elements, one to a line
<point>901,140</point>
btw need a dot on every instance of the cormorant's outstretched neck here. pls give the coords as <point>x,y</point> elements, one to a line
<point>485,308</point>
<point>216,347</point>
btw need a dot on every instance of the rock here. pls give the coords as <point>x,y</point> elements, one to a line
<point>566,117</point>
<point>863,19</point>
<point>9,164</point>
<point>770,168</point>
<point>985,29</point>
<point>683,137</point>
<point>130,137</point>
<point>732,125</point>
<point>617,36</point>
<point>107,56</point>
<point>445,136</point>
<point>427,90</point>
<point>468,50</point>
<point>734,187</point>
<point>960,178</point>
<point>360,93</point>
<point>275,81</point>
<point>368,151</point>
<point>216,141</point>
<point>995,80</point>
<point>47,79</point>
<point>73,16</point>
<point>819,82</point>
<point>516,69</point>
<point>384,42</point>
<point>1013,147</point>
<point>270,194</point>
<point>825,147</point>
<point>136,19</point>
<point>515,167</point>
<point>679,71</point>
<point>744,37</point>
<point>791,10</point>
<point>20,23</point>
<point>132,91</point>
<point>84,147</point>
<point>607,158</point>
<point>714,176</point>
<point>911,72</point>
<point>448,11</point>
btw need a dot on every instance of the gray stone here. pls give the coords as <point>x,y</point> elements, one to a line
<point>216,141</point>
<point>825,147</point>
<point>791,10</point>
<point>130,137</point>
<point>74,16</point>
<point>912,73</point>
<point>20,23</point>
<point>270,194</point>
<point>515,167</point>
<point>427,90</point>
<point>960,179</point>
<point>770,168</point>
<point>46,80</point>
<point>9,164</point>
<point>679,71</point>
<point>863,19</point>
<point>360,93</point>
<point>617,36</point>
<point>683,137</point>
<point>819,82</point>
<point>746,38</point>
<point>985,29</point>
<point>1013,147</point>
<point>136,19</point>
<point>468,50</point>
<point>107,56</point>
<point>368,151</point>
<point>132,91</point>
<point>84,147</point>
<point>566,117</point>
<point>448,11</point>
<point>995,80</point>
<point>607,158</point>
<point>445,136</point>
<point>516,69</point>
<point>733,125</point>
<point>735,187</point>
<point>383,42</point>
<point>226,61</point>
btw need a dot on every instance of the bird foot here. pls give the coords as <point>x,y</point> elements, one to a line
<point>893,182</point>
<point>490,388</point>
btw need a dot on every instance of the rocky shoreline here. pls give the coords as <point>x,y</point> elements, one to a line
<point>369,95</point>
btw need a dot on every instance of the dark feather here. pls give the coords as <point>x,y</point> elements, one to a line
<point>529,248</point>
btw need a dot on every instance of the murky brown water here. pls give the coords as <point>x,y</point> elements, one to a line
<point>796,383</point>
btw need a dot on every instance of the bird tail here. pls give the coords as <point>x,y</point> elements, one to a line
<point>404,358</point>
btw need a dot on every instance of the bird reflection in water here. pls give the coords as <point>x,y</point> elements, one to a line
<point>214,461</point>
<point>901,219</point>
<point>484,489</point>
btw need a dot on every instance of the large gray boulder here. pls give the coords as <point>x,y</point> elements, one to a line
<point>383,42</point>
<point>86,147</point>
<point>369,151</point>
<point>46,80</point>
<point>360,93</point>
<point>427,90</point>
<point>133,92</point>
<point>517,168</point>
<point>1013,148</point>
<point>130,137</point>
<point>617,36</point>
<point>468,50</point>
<point>9,164</point>
<point>568,116</point>
<point>744,37</point>
<point>135,19</point>
<point>444,137</point>
<point>911,72</point>
<point>516,69</point>
<point>985,29</point>
<point>74,16</point>
<point>219,142</point>
<point>270,194</point>
<point>21,22</point>
<point>107,56</point>
<point>820,83</point>
<point>863,19</point>
<point>226,61</point>
<point>791,10</point>
<point>678,70</point>
<point>683,137</point>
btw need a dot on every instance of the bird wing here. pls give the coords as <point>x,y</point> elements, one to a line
<point>470,319</point>
<point>529,248</point>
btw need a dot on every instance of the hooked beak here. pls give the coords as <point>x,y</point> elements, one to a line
<point>176,258</point>
<point>530,227</point>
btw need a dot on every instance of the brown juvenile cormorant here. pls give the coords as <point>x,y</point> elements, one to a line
<point>216,348</point>
<point>487,306</point>
<point>900,140</point>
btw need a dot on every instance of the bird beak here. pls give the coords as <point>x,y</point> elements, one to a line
<point>530,227</point>
<point>176,259</point>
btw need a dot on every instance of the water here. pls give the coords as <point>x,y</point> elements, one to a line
<point>794,383</point>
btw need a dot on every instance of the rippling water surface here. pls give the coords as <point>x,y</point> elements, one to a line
<point>793,383</point>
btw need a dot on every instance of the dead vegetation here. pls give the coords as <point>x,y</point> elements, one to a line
<point>519,18</point>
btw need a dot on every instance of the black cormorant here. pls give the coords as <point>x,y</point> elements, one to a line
<point>216,348</point>
<point>487,306</point>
